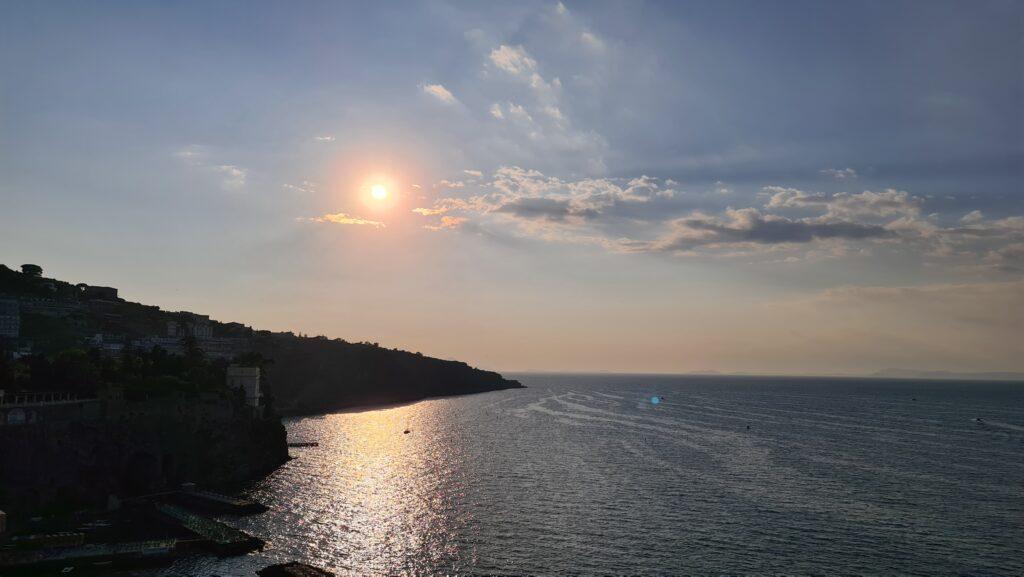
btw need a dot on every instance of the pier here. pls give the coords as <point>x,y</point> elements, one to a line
<point>222,539</point>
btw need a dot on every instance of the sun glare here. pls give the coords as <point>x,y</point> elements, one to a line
<point>379,191</point>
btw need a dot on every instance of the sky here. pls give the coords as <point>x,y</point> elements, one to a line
<point>786,187</point>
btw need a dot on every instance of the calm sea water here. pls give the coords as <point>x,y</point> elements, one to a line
<point>585,475</point>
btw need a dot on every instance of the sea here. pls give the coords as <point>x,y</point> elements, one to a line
<point>654,475</point>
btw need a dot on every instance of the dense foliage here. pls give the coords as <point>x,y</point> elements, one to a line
<point>139,373</point>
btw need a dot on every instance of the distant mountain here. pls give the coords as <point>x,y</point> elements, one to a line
<point>980,376</point>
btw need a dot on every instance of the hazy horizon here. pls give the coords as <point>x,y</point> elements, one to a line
<point>802,188</point>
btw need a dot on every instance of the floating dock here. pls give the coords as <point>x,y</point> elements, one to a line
<point>304,444</point>
<point>222,539</point>
<point>90,556</point>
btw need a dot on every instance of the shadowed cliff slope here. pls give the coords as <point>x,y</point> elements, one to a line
<point>313,374</point>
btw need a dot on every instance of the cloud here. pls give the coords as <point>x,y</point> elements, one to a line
<point>430,211</point>
<point>473,173</point>
<point>342,218</point>
<point>440,92</point>
<point>232,177</point>
<point>739,228</point>
<point>448,222</point>
<point>327,138</point>
<point>304,187</point>
<point>191,154</point>
<point>887,203</point>
<point>972,217</point>
<point>591,41</point>
<point>538,207</point>
<point>1008,258</point>
<point>449,184</point>
<point>650,215</point>
<point>496,111</point>
<point>839,173</point>
<point>514,60</point>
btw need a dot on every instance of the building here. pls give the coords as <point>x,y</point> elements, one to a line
<point>247,379</point>
<point>10,318</point>
<point>107,344</point>
<point>90,292</point>
<point>190,325</point>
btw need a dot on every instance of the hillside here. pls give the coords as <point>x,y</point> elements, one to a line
<point>302,374</point>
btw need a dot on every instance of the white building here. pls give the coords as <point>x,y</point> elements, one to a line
<point>247,379</point>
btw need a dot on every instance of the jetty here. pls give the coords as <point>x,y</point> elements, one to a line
<point>220,538</point>
<point>304,444</point>
<point>21,561</point>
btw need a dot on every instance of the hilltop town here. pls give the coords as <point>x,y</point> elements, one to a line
<point>39,313</point>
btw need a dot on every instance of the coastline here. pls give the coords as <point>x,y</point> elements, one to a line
<point>373,406</point>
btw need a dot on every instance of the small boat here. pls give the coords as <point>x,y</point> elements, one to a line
<point>406,432</point>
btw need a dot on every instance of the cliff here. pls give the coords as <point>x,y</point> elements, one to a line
<point>316,374</point>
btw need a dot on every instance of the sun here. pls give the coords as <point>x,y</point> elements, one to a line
<point>379,191</point>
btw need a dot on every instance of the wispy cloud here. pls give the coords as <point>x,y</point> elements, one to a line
<point>447,222</point>
<point>440,93</point>
<point>513,60</point>
<point>327,138</point>
<point>430,211</point>
<point>232,177</point>
<point>591,41</point>
<point>443,184</point>
<point>304,187</point>
<point>839,173</point>
<point>342,218</point>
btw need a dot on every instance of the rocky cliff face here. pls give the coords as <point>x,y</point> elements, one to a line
<point>75,455</point>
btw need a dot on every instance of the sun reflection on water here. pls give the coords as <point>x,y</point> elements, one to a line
<point>392,497</point>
